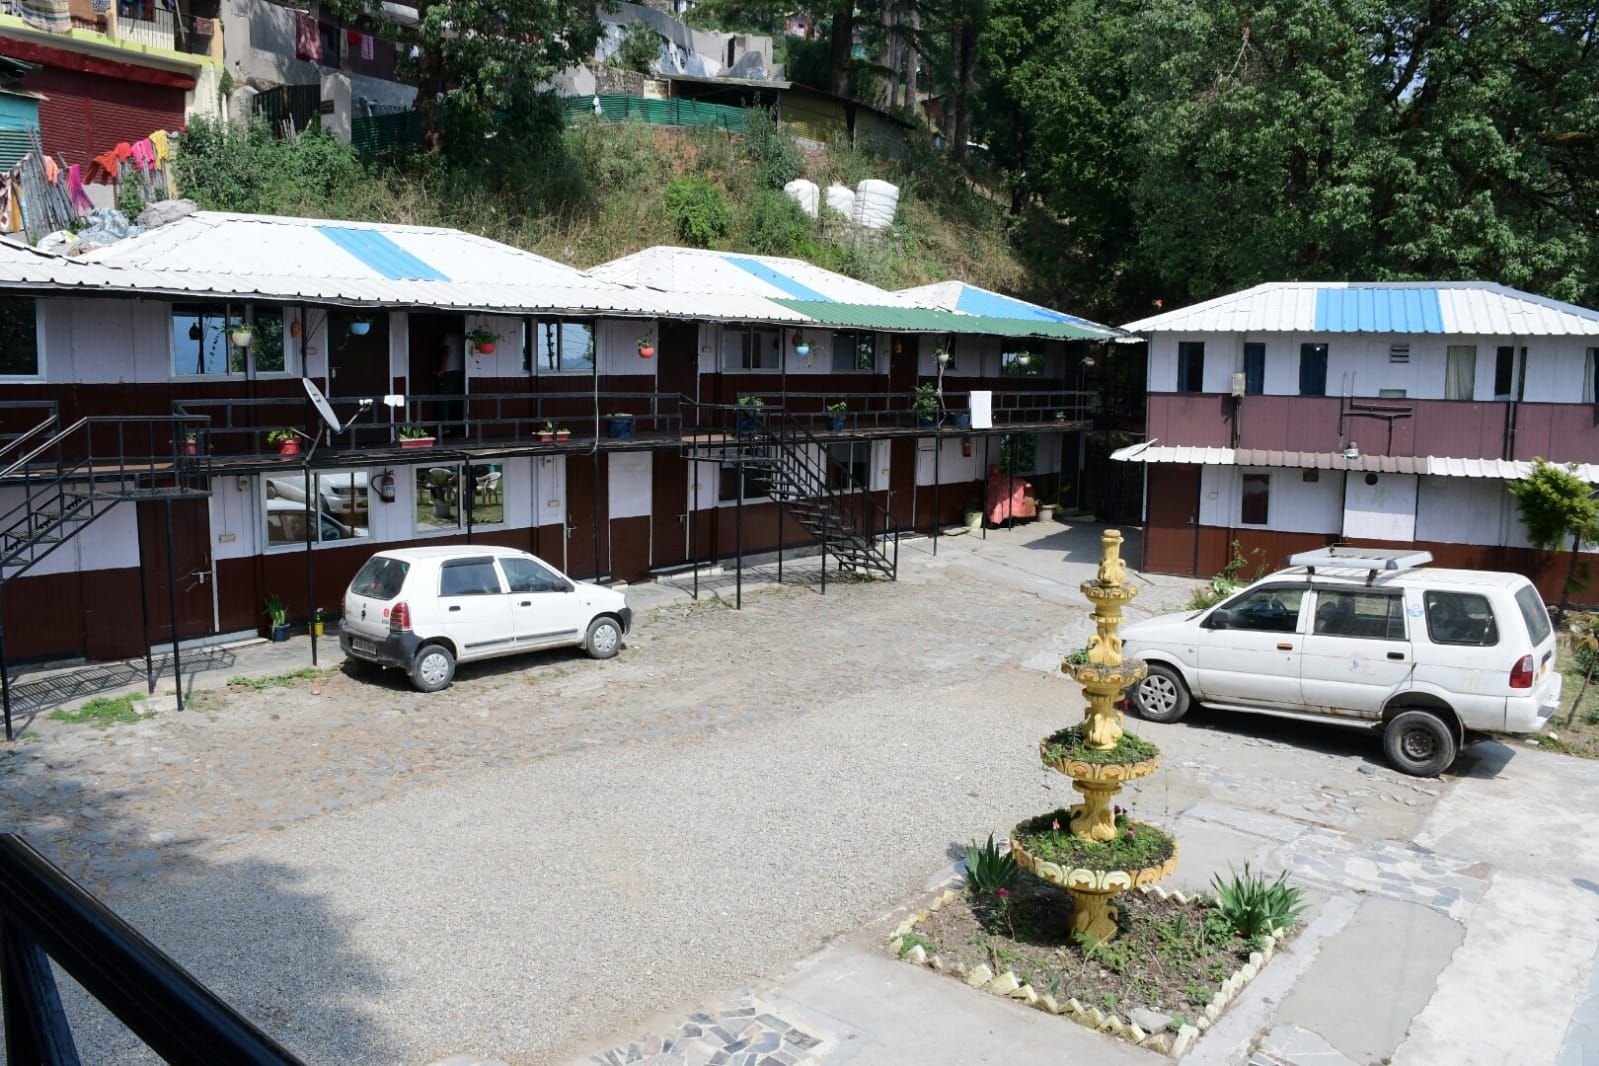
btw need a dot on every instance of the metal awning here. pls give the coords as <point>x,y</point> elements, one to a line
<point>931,320</point>
<point>1427,465</point>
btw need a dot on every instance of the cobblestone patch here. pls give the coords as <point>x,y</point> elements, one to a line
<point>744,1032</point>
<point>1406,872</point>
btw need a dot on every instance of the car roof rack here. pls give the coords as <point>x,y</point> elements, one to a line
<point>1373,560</point>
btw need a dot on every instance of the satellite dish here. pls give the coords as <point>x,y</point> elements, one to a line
<point>325,409</point>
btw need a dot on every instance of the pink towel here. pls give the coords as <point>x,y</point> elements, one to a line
<point>368,50</point>
<point>76,193</point>
<point>307,41</point>
<point>144,154</point>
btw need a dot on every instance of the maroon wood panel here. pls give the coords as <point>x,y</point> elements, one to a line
<point>1567,432</point>
<point>586,503</point>
<point>189,584</point>
<point>630,548</point>
<point>1190,418</point>
<point>94,614</point>
<point>902,481</point>
<point>1300,423</point>
<point>1170,539</point>
<point>357,366</point>
<point>669,474</point>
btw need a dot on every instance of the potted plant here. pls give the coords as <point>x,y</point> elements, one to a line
<point>191,443</point>
<point>974,514</point>
<point>360,325</point>
<point>802,347</point>
<point>284,440</point>
<point>562,435</point>
<point>924,401</point>
<point>318,623</point>
<point>1046,511</point>
<point>835,416</point>
<point>547,432</point>
<point>620,427</point>
<point>482,341</point>
<point>749,415</point>
<point>960,419</point>
<point>415,437</point>
<point>277,613</point>
<point>646,348</point>
<point>241,335</point>
<point>441,486</point>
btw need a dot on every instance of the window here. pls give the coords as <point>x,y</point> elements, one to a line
<point>1504,372</point>
<point>1254,368</point>
<point>1312,370</point>
<point>1373,615</point>
<point>1023,364</point>
<point>1190,366</point>
<point>19,337</point>
<point>469,577</point>
<point>529,575</point>
<point>343,511</point>
<point>1399,353</point>
<point>849,466</point>
<point>381,578</point>
<point>1460,372</point>
<point>564,345</point>
<point>1270,610</point>
<point>751,349</point>
<point>200,340</point>
<point>441,490</point>
<point>1391,394</point>
<point>1018,453</point>
<point>756,485</point>
<point>1533,613</point>
<point>1460,618</point>
<point>1590,377</point>
<point>854,352</point>
<point>268,353</point>
<point>1256,499</point>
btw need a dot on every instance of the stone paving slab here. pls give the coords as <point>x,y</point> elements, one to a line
<point>1406,872</point>
<point>744,1031</point>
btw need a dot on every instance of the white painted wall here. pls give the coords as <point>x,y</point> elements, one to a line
<point>629,484</point>
<point>1294,505</point>
<point>1383,511</point>
<point>952,466</point>
<point>111,542</point>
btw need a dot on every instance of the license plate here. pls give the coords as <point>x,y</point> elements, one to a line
<point>366,647</point>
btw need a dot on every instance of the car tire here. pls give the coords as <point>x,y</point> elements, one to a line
<point>1161,696</point>
<point>433,668</point>
<point>604,638</point>
<point>1419,743</point>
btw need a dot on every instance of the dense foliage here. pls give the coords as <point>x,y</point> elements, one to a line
<point>698,210</point>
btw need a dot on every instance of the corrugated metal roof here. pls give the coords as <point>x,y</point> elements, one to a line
<point>1475,308</point>
<point>975,300</point>
<point>1429,465</point>
<point>696,270</point>
<point>380,253</point>
<point>933,320</point>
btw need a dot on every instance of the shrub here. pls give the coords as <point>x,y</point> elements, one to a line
<point>776,225</point>
<point>771,149</point>
<point>639,48</point>
<point>698,211</point>
<point>1252,906</point>
<point>989,869</point>
<point>225,167</point>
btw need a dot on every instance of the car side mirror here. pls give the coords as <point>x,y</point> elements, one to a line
<point>1220,619</point>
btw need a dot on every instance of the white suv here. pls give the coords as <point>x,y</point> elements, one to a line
<point>426,609</point>
<point>1366,635</point>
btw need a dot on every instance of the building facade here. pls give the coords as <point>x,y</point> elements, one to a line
<point>1292,416</point>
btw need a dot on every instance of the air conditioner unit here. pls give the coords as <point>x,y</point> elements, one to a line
<point>1240,384</point>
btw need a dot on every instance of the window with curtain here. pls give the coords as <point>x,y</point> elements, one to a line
<point>1256,499</point>
<point>1254,368</point>
<point>1460,372</point>
<point>1190,366</point>
<point>1312,370</point>
<point>752,349</point>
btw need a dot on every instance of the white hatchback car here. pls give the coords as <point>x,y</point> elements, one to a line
<point>1363,635</point>
<point>426,609</point>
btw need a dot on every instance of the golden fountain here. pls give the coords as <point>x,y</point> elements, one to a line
<point>1094,850</point>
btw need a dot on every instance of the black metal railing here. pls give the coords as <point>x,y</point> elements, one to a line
<point>871,412</point>
<point>45,916</point>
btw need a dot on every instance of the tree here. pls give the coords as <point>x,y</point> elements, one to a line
<point>1555,504</point>
<point>485,64</point>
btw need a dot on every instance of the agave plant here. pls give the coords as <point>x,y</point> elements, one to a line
<point>1254,906</point>
<point>988,869</point>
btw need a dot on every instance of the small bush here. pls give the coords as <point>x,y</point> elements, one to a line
<point>771,148</point>
<point>640,47</point>
<point>776,225</point>
<point>698,211</point>
<point>988,869</point>
<point>1252,906</point>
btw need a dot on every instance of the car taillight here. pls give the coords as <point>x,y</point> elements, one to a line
<point>400,618</point>
<point>1521,673</point>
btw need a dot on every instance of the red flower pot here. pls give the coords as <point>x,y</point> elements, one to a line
<point>546,436</point>
<point>290,447</point>
<point>417,442</point>
<point>646,351</point>
<point>563,435</point>
<point>191,447</point>
<point>486,348</point>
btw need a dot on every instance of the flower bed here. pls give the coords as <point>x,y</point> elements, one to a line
<point>1069,746</point>
<point>1136,846</point>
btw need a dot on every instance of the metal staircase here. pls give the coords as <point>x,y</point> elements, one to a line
<point>792,467</point>
<point>56,481</point>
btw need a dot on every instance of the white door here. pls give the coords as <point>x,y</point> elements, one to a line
<point>1248,648</point>
<point>473,607</point>
<point>1357,652</point>
<point>544,605</point>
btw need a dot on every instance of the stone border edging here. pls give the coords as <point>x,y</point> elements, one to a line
<point>1007,986</point>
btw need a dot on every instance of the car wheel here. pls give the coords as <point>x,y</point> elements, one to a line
<point>604,638</point>
<point>1419,743</point>
<point>433,668</point>
<point>1161,696</point>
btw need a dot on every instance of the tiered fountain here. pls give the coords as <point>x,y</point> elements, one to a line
<point>1094,850</point>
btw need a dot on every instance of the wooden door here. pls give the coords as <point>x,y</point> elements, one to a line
<point>677,369</point>
<point>587,523</point>
<point>1171,530</point>
<point>358,366</point>
<point>190,536</point>
<point>902,481</point>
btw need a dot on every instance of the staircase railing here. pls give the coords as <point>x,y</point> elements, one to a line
<point>44,916</point>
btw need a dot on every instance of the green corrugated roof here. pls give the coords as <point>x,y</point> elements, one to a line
<point>930,320</point>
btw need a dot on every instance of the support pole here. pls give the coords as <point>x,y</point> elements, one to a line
<point>310,576</point>
<point>782,511</point>
<point>986,439</point>
<point>5,674</point>
<point>595,495</point>
<point>738,540</point>
<point>938,446</point>
<point>144,618</point>
<point>172,603</point>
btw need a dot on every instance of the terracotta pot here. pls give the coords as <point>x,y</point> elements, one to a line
<point>417,442</point>
<point>487,347</point>
<point>289,447</point>
<point>646,351</point>
<point>546,436</point>
<point>563,435</point>
<point>191,447</point>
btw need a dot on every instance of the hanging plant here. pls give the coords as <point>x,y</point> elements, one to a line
<point>802,347</point>
<point>482,341</point>
<point>646,348</point>
<point>360,325</point>
<point>242,336</point>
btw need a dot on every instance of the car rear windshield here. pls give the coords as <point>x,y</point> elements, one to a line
<point>1533,613</point>
<point>381,578</point>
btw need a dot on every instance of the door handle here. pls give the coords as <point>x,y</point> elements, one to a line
<point>525,603</point>
<point>1397,656</point>
<point>456,608</point>
<point>1284,646</point>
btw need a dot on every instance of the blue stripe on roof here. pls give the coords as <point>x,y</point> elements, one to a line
<point>381,254</point>
<point>776,280</point>
<point>981,302</point>
<point>1368,310</point>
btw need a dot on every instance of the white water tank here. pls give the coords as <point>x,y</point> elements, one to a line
<point>805,193</point>
<point>841,198</point>
<point>876,203</point>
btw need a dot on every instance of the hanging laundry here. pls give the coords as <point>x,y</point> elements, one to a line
<point>368,48</point>
<point>144,154</point>
<point>123,152</point>
<point>353,37</point>
<point>162,145</point>
<point>77,195</point>
<point>307,41</point>
<point>52,170</point>
<point>52,15</point>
